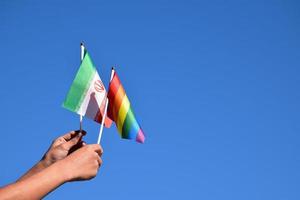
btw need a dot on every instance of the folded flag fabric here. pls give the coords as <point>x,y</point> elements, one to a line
<point>120,111</point>
<point>87,95</point>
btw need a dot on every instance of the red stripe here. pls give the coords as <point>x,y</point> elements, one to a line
<point>112,91</point>
<point>98,117</point>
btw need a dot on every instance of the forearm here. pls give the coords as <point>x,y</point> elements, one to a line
<point>42,164</point>
<point>36,186</point>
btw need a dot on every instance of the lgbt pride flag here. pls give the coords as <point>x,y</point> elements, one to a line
<point>87,95</point>
<point>119,109</point>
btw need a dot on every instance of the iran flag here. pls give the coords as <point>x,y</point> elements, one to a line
<point>87,95</point>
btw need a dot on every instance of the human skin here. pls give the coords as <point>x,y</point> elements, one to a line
<point>82,164</point>
<point>60,148</point>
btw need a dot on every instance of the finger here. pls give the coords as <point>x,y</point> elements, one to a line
<point>74,141</point>
<point>97,148</point>
<point>81,143</point>
<point>62,139</point>
<point>83,132</point>
<point>73,134</point>
<point>99,160</point>
<point>76,146</point>
<point>69,135</point>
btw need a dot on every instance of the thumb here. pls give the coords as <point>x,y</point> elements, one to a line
<point>68,145</point>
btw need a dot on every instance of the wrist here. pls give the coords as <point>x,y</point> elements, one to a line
<point>64,170</point>
<point>47,160</point>
<point>44,163</point>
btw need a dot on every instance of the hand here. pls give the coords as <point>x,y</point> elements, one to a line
<point>83,164</point>
<point>63,146</point>
<point>60,148</point>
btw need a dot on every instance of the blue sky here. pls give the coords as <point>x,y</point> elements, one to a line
<point>214,84</point>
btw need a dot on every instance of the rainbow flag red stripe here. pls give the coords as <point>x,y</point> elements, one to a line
<point>120,111</point>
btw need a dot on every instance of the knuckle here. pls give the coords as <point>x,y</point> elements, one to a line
<point>95,155</point>
<point>86,148</point>
<point>63,146</point>
<point>55,140</point>
<point>96,146</point>
<point>59,139</point>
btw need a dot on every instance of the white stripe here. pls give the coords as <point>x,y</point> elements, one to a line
<point>93,100</point>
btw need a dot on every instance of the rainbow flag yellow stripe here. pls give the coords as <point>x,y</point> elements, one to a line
<point>120,111</point>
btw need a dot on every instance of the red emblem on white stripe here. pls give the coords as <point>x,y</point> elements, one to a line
<point>98,85</point>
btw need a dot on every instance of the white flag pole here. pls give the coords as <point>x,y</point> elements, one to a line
<point>105,109</point>
<point>81,58</point>
<point>103,121</point>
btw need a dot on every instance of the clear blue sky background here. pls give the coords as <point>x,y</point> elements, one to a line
<point>214,84</point>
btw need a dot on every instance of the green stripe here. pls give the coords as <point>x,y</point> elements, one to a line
<point>130,126</point>
<point>80,84</point>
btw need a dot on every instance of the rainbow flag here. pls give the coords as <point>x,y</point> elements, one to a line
<point>120,111</point>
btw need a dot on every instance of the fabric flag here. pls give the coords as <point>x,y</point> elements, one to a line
<point>87,95</point>
<point>120,111</point>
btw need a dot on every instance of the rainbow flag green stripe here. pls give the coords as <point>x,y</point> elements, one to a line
<point>119,109</point>
<point>80,84</point>
<point>130,126</point>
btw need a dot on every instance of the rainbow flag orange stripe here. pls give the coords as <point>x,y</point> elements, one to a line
<point>119,109</point>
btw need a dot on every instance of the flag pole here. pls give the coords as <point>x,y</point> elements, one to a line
<point>81,58</point>
<point>105,109</point>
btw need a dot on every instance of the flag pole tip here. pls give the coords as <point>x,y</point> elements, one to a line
<point>81,44</point>
<point>113,68</point>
